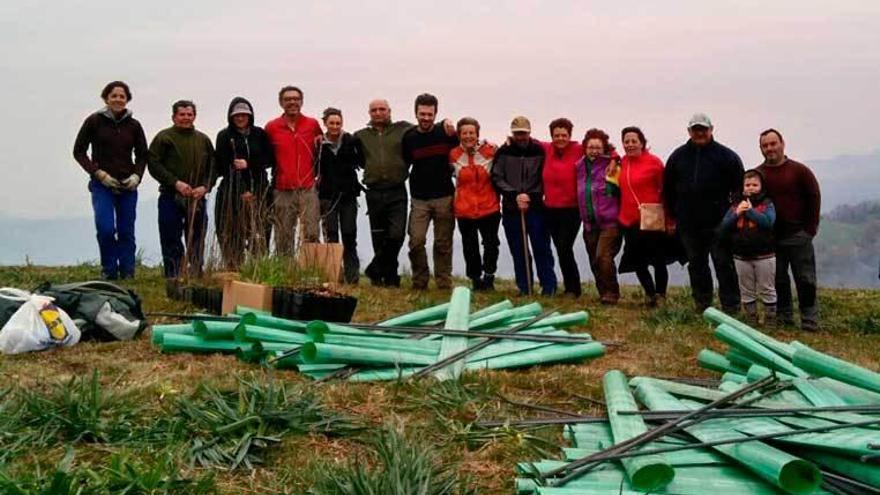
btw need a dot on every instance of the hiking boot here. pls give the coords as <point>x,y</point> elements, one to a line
<point>608,300</point>
<point>476,284</point>
<point>769,315</point>
<point>488,282</point>
<point>810,319</point>
<point>751,313</point>
<point>651,300</point>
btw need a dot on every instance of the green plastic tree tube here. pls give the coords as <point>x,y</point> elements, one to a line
<point>854,396</point>
<point>382,375</point>
<point>214,330</point>
<point>157,331</point>
<point>243,310</point>
<point>557,353</point>
<point>316,328</point>
<point>739,358</point>
<point>502,347</point>
<point>456,319</point>
<point>733,377</point>
<point>738,339</point>
<point>429,348</point>
<point>789,473</point>
<point>711,360</point>
<point>285,363</point>
<point>246,332</point>
<point>718,317</point>
<point>252,355</point>
<point>853,468</point>
<point>315,353</point>
<point>497,319</point>
<point>274,347</point>
<point>646,473</point>
<point>192,343</point>
<point>418,317</point>
<point>821,364</point>
<point>270,321</point>
<point>488,310</point>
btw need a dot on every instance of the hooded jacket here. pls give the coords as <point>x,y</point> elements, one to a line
<point>475,197</point>
<point>518,170</point>
<point>252,145</point>
<point>598,192</point>
<point>338,168</point>
<point>751,233</point>
<point>699,183</point>
<point>113,141</point>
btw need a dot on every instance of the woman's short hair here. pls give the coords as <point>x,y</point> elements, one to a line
<point>116,84</point>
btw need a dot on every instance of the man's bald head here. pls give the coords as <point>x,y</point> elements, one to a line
<point>380,113</point>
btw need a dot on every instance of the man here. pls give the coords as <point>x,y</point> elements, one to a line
<point>701,178</point>
<point>516,174</point>
<point>181,159</point>
<point>384,175</point>
<point>426,150</point>
<point>293,137</point>
<point>795,193</point>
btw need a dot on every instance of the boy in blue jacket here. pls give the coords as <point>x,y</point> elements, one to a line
<point>749,225</point>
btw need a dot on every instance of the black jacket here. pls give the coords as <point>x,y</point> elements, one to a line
<point>518,170</point>
<point>113,141</point>
<point>252,146</point>
<point>699,182</point>
<point>339,170</point>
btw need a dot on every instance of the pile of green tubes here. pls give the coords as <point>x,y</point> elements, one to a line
<point>821,416</point>
<point>389,349</point>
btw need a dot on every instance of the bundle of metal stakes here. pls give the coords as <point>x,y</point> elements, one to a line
<point>784,418</point>
<point>442,341</point>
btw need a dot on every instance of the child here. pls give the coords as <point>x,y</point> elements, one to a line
<point>749,223</point>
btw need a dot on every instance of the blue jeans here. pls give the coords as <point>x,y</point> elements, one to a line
<point>114,222</point>
<point>539,239</point>
<point>175,229</point>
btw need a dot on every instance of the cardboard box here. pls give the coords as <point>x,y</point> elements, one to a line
<point>326,257</point>
<point>237,293</point>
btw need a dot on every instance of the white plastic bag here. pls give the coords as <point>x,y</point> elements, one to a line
<point>37,325</point>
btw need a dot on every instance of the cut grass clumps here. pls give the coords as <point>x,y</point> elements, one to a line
<point>232,429</point>
<point>670,317</point>
<point>402,466</point>
<point>866,324</point>
<point>278,271</point>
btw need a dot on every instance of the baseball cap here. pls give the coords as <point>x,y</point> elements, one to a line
<point>520,124</point>
<point>699,120</point>
<point>241,107</point>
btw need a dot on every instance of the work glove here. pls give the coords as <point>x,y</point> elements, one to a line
<point>131,183</point>
<point>108,180</point>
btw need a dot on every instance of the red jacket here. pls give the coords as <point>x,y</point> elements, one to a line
<point>560,175</point>
<point>475,197</point>
<point>294,152</point>
<point>640,178</point>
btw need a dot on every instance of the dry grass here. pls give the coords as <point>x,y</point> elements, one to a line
<point>661,342</point>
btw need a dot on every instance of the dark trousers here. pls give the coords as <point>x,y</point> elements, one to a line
<point>539,239</point>
<point>648,251</point>
<point>387,211</point>
<point>699,245</point>
<point>114,223</point>
<point>181,221</point>
<point>564,225</point>
<point>337,214</point>
<point>472,230</point>
<point>241,226</point>
<point>602,246</point>
<point>796,252</point>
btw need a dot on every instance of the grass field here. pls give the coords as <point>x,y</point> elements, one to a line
<point>122,418</point>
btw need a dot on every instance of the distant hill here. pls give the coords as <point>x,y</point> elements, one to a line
<point>848,246</point>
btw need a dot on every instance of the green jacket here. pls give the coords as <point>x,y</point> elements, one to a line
<point>181,154</point>
<point>383,155</point>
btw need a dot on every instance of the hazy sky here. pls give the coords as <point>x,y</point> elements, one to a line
<point>809,67</point>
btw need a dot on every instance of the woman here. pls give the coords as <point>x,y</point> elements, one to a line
<point>114,135</point>
<point>476,204</point>
<point>242,155</point>
<point>338,189</point>
<point>641,183</point>
<point>560,199</point>
<point>599,203</point>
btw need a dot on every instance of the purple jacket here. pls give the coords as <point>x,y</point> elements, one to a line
<point>598,194</point>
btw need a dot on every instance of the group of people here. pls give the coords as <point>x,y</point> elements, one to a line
<point>700,205</point>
